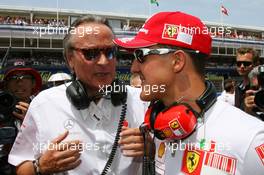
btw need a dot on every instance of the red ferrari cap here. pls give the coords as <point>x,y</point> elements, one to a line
<point>171,28</point>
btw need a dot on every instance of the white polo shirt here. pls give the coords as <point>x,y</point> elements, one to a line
<point>229,142</point>
<point>51,114</point>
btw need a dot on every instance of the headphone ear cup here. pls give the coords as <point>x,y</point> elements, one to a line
<point>77,95</point>
<point>157,107</point>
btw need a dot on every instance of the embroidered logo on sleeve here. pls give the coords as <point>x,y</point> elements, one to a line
<point>260,152</point>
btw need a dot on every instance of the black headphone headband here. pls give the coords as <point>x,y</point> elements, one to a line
<point>208,98</point>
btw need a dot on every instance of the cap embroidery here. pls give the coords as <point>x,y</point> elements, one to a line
<point>178,33</point>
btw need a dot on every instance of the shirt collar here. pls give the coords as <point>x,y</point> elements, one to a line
<point>98,111</point>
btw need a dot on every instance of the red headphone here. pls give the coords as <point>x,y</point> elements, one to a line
<point>179,120</point>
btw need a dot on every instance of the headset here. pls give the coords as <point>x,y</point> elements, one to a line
<point>178,120</point>
<point>81,99</point>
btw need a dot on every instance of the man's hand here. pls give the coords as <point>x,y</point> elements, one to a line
<point>131,142</point>
<point>249,101</point>
<point>23,107</point>
<point>61,156</point>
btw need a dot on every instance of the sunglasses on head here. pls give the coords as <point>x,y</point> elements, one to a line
<point>95,53</point>
<point>140,54</point>
<point>245,63</point>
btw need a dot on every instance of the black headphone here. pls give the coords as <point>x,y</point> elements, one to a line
<point>80,98</point>
<point>178,120</point>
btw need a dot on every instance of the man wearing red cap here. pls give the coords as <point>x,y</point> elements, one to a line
<point>194,132</point>
<point>24,83</point>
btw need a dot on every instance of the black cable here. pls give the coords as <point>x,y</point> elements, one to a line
<point>145,158</point>
<point>148,167</point>
<point>117,137</point>
<point>152,160</point>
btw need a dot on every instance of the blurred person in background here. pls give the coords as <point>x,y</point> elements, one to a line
<point>58,79</point>
<point>246,60</point>
<point>135,80</point>
<point>20,84</point>
<point>24,83</point>
<point>254,97</point>
<point>228,95</point>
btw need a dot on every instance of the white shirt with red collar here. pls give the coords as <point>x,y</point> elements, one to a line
<point>228,142</point>
<point>51,114</point>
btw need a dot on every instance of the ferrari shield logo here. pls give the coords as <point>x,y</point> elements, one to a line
<point>192,160</point>
<point>170,31</point>
<point>174,124</point>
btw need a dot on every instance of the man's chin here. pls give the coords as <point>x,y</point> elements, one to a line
<point>146,97</point>
<point>100,86</point>
<point>242,73</point>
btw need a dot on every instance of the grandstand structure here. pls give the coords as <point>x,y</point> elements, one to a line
<point>35,35</point>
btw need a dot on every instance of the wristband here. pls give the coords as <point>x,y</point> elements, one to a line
<point>36,166</point>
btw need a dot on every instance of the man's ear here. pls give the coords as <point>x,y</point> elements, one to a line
<point>69,61</point>
<point>178,62</point>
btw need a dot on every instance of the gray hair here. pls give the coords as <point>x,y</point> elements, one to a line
<point>67,43</point>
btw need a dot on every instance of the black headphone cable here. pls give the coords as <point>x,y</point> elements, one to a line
<point>117,137</point>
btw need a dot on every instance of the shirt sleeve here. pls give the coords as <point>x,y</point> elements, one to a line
<point>254,159</point>
<point>26,145</point>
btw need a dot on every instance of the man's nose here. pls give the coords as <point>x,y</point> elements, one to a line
<point>103,60</point>
<point>20,80</point>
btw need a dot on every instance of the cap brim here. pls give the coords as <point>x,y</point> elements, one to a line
<point>133,43</point>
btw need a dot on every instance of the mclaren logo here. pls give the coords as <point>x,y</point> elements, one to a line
<point>192,160</point>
